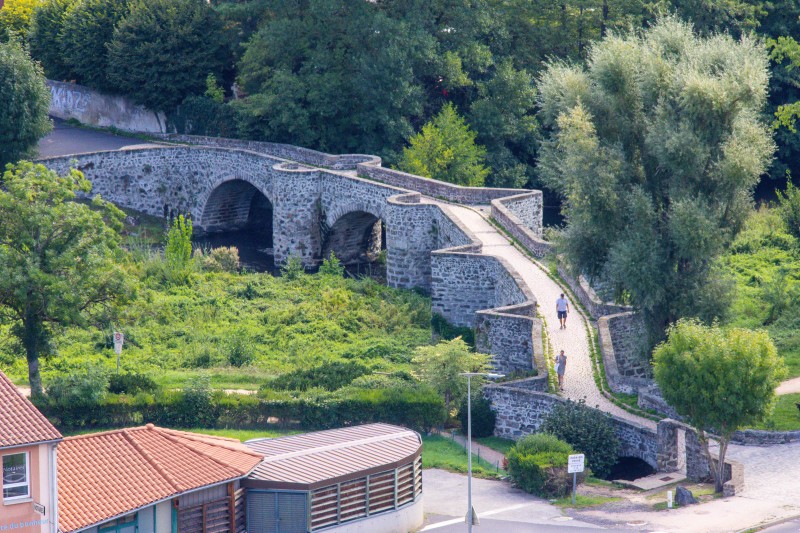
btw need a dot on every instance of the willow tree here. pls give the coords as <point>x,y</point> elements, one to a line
<point>655,146</point>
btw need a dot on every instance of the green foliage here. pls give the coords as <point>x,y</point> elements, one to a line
<point>15,17</point>
<point>538,465</point>
<point>44,38</point>
<point>445,330</point>
<point>80,390</point>
<point>178,251</point>
<point>26,101</point>
<point>293,268</point>
<point>587,430</point>
<point>222,259</point>
<point>190,41</point>
<point>131,383</point>
<point>440,365</point>
<point>483,417</point>
<point>213,90</point>
<point>332,266</point>
<point>330,376</point>
<point>789,208</point>
<point>60,259</point>
<point>719,380</point>
<point>445,150</point>
<point>87,29</point>
<point>655,147</point>
<point>201,115</point>
<point>441,452</point>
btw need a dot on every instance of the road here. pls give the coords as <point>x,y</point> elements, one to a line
<point>67,140</point>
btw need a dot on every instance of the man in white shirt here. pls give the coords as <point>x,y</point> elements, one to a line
<point>562,308</point>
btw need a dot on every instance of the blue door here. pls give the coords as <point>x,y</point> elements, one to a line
<point>277,512</point>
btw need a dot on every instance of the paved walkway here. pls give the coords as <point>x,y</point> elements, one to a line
<point>68,140</point>
<point>578,378</point>
<point>790,386</point>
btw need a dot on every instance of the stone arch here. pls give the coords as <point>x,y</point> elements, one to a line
<point>355,236</point>
<point>234,205</point>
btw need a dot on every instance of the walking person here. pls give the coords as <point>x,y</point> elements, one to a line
<point>561,364</point>
<point>562,308</point>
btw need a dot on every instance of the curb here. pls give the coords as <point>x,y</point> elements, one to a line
<point>761,527</point>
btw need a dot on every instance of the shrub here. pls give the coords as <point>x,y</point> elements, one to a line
<point>445,330</point>
<point>588,430</point>
<point>483,417</point>
<point>240,349</point>
<point>293,268</point>
<point>538,465</point>
<point>131,383</point>
<point>332,266</point>
<point>329,376</point>
<point>178,252</point>
<point>789,208</point>
<point>223,259</point>
<point>44,38</point>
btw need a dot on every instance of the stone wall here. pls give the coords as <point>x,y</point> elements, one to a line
<point>521,411</point>
<point>518,216</point>
<point>283,151</point>
<point>583,291</point>
<point>621,343</point>
<point>71,101</point>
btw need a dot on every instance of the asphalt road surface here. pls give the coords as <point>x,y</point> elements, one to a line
<point>66,140</point>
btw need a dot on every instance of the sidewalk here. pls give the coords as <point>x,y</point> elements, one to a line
<point>484,452</point>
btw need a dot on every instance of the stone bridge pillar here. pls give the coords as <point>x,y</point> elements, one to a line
<point>411,235</point>
<point>296,214</point>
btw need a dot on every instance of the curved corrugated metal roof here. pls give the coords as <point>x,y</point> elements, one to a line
<point>314,460</point>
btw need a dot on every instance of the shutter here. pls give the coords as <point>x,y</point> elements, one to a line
<point>292,512</point>
<point>261,512</point>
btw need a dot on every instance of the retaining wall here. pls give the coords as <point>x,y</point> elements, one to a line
<point>72,101</point>
<point>621,342</point>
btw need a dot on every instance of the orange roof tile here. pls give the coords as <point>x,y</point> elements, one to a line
<point>20,421</point>
<point>103,475</point>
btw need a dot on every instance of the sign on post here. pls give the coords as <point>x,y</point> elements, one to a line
<point>575,463</point>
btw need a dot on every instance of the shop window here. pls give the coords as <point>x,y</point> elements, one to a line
<point>16,477</point>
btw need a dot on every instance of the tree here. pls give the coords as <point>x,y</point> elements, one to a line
<point>189,37</point>
<point>178,251</point>
<point>334,75</point>
<point>441,364</point>
<point>445,150</point>
<point>655,147</point>
<point>26,101</point>
<point>88,28</point>
<point>60,259</point>
<point>44,38</point>
<point>15,17</point>
<point>718,380</point>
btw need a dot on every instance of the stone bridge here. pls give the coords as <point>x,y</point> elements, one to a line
<point>308,204</point>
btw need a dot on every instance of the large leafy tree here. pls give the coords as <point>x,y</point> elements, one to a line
<point>655,147</point>
<point>60,259</point>
<point>332,74</point>
<point>44,38</point>
<point>15,17</point>
<point>25,103</point>
<point>88,27</point>
<point>164,50</point>
<point>440,365</point>
<point>445,150</point>
<point>719,380</point>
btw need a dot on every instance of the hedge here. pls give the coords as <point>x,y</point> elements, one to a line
<point>417,409</point>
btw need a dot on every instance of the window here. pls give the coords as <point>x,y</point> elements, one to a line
<point>16,478</point>
<point>126,524</point>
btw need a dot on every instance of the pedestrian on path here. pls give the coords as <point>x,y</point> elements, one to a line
<point>561,364</point>
<point>562,308</point>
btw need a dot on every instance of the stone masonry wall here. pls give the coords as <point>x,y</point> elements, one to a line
<point>585,294</point>
<point>520,216</point>
<point>521,411</point>
<point>621,343</point>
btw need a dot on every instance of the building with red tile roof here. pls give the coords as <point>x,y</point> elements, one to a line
<point>150,479</point>
<point>28,460</point>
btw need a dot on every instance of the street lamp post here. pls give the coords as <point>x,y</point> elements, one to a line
<point>469,375</point>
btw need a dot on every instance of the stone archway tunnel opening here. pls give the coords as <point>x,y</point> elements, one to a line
<point>238,214</point>
<point>355,238</point>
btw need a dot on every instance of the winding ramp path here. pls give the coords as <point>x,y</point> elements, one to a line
<point>578,379</point>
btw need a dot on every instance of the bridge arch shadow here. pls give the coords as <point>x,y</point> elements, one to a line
<point>355,237</point>
<point>237,205</point>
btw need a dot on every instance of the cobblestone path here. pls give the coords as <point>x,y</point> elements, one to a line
<point>578,378</point>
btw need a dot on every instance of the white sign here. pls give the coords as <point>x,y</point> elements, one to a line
<point>575,463</point>
<point>119,338</point>
<point>39,508</point>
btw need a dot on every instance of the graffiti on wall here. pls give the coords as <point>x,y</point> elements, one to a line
<point>69,100</point>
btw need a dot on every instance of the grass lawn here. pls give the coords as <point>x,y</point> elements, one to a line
<point>440,452</point>
<point>496,443</point>
<point>786,416</point>
<point>582,501</point>
<point>703,492</point>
